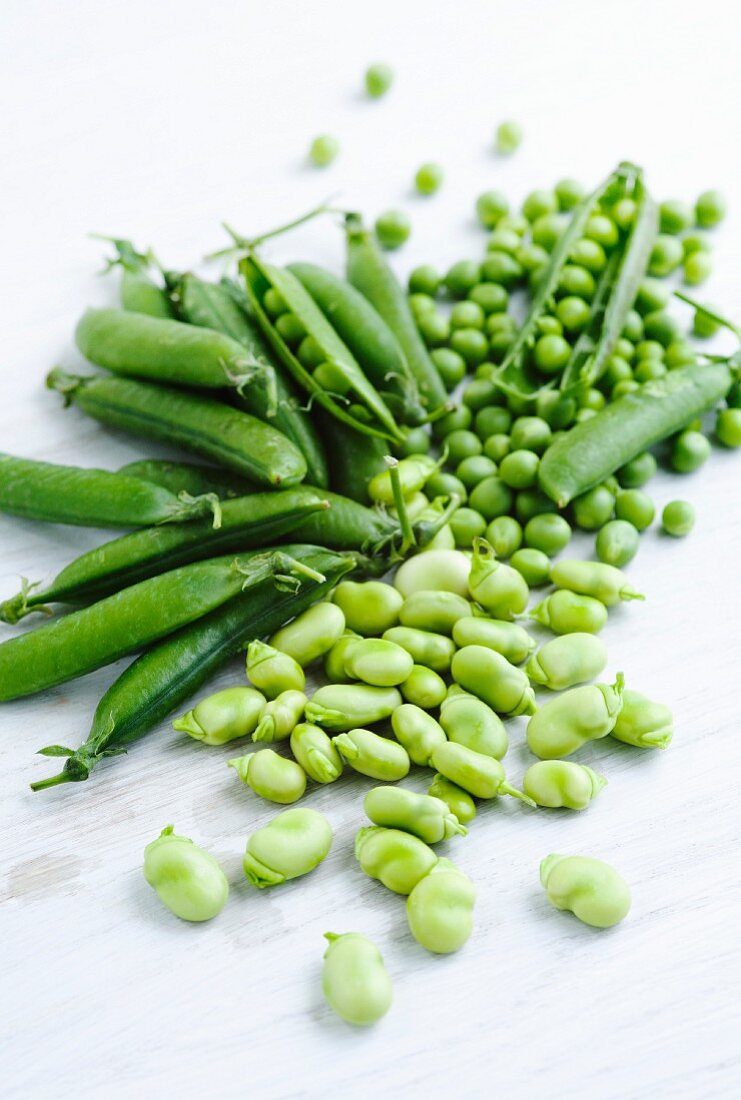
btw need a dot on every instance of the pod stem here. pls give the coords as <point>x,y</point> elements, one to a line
<point>195,507</point>
<point>709,312</point>
<point>255,371</point>
<point>505,788</point>
<point>400,505</point>
<point>426,530</point>
<point>52,781</point>
<point>64,383</point>
<point>17,607</point>
<point>249,244</point>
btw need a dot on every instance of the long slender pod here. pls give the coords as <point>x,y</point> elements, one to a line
<point>354,458</point>
<point>139,291</point>
<point>190,477</point>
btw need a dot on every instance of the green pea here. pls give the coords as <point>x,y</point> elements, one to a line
<point>450,366</point>
<point>424,279</point>
<point>370,607</point>
<point>675,216</point>
<point>569,193</point>
<point>474,469</point>
<point>491,497</point>
<point>291,845</point>
<point>428,178</point>
<point>594,508</point>
<point>589,888</point>
<point>311,634</point>
<point>549,533</point>
<point>533,566</point>
<point>378,79</point>
<point>470,722</point>
<point>532,502</point>
<point>567,661</point>
<point>458,419</point>
<point>479,393</point>
<point>618,370</point>
<point>531,257</point>
<point>491,677</point>
<point>441,570</point>
<point>519,469</point>
<point>462,277</point>
<point>310,352</point>
<point>466,315</point>
<point>500,267</point>
<point>496,446</point>
<point>434,329</point>
<point>443,484</point>
<point>678,518</point>
<point>413,473</point>
<point>316,753</point>
<point>416,442</point>
<point>602,229</point>
<point>432,650</point>
<point>273,672</point>
<point>679,353</point>
<point>499,344</point>
<point>273,303</point>
<point>662,327</point>
<point>188,880</point>
<point>497,587</point>
<point>370,754</point>
<point>440,909</point>
<point>279,716</point>
<point>508,137</point>
<point>697,268</point>
<point>340,707</point>
<point>635,474</point>
<point>492,420</point>
<point>557,784</point>
<point>577,281</point>
<point>633,326</point>
<point>290,328</point>
<point>482,776</point>
<point>504,535</point>
<point>589,254</point>
<point>417,731</point>
<point>635,507</point>
<point>392,228</point>
<point>643,723</point>
<point>516,222</point>
<point>562,725</point>
<point>420,304</point>
<point>666,256</point>
<point>491,206</point>
<point>648,369</point>
<point>565,612</point>
<point>471,344</point>
<point>547,229</point>
<point>423,687</point>
<point>393,857</point>
<point>355,982</point>
<point>462,444</point>
<point>617,543</point>
<point>624,212</point>
<point>557,411</point>
<point>377,662</point>
<point>503,240</point>
<point>591,578</point>
<point>728,427</point>
<point>710,209</point>
<point>421,815</point>
<point>433,611</point>
<point>490,297</point>
<point>574,314</point>
<point>509,639</point>
<point>458,801</point>
<point>538,203</point>
<point>530,433</point>
<point>224,716</point>
<point>271,776</point>
<point>323,150</point>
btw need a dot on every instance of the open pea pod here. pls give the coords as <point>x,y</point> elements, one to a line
<point>340,375</point>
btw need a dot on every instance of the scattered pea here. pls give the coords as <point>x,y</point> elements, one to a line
<point>504,535</point>
<point>316,753</point>
<point>509,639</point>
<point>549,532</point>
<point>423,687</point>
<point>273,672</point>
<point>271,776</point>
<point>378,79</point>
<point>377,662</point>
<point>490,207</point>
<point>533,566</point>
<point>728,427</point>
<point>392,228</point>
<point>370,607</point>
<point>312,633</point>
<point>643,723</point>
<point>508,137</point>
<point>450,366</point>
<point>567,661</point>
<point>690,450</point>
<point>424,279</point>
<point>678,518</point>
<point>710,209</point>
<point>417,731</point>
<point>433,610</point>
<point>224,716</point>
<point>563,724</point>
<point>393,857</point>
<point>422,815</point>
<point>635,474</point>
<point>566,612</point>
<point>468,721</point>
<point>323,150</point>
<point>492,678</point>
<point>617,542</point>
<point>428,178</point>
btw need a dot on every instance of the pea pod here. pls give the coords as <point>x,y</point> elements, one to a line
<point>602,582</point>
<point>223,717</point>
<point>312,634</point>
<point>316,753</point>
<point>419,814</point>
<point>139,292</point>
<point>468,721</point>
<point>592,890</point>
<point>163,677</point>
<point>559,783</point>
<point>509,639</point>
<point>643,723</point>
<point>564,724</point>
<point>342,376</point>
<point>188,880</point>
<point>291,845</point>
<point>566,612</point>
<point>567,661</point>
<point>354,457</point>
<point>278,718</point>
<point>440,909</point>
<point>340,707</point>
<point>230,437</point>
<point>482,776</point>
<point>489,676</point>
<point>355,982</point>
<point>368,753</point>
<point>189,477</point>
<point>458,801</point>
<point>418,732</point>
<point>395,858</point>
<point>369,273</point>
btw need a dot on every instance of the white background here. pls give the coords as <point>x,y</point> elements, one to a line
<point>157,120</point>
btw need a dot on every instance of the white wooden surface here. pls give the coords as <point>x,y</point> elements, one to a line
<point>157,120</point>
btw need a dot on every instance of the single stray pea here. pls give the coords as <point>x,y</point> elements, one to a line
<point>690,450</point>
<point>710,209</point>
<point>323,150</point>
<point>533,566</point>
<point>187,879</point>
<point>557,784</point>
<point>490,207</point>
<point>392,228</point>
<point>396,858</point>
<point>428,178</point>
<point>678,518</point>
<point>370,607</point>
<point>592,890</point>
<point>440,909</point>
<point>378,79</point>
<point>355,981</point>
<point>566,612</point>
<point>728,427</point>
<point>508,137</point>
<point>593,578</point>
<point>635,507</point>
<point>291,845</point>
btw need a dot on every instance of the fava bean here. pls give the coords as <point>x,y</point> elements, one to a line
<point>567,661</point>
<point>395,858</point>
<point>591,578</point>
<point>334,662</point>
<point>440,909</point>
<point>223,717</point>
<point>372,755</point>
<point>470,722</point>
<point>290,845</point>
<point>499,588</point>
<point>279,717</point>
<point>316,753</point>
<point>559,783</point>
<point>417,731</point>
<point>643,723</point>
<point>438,570</point>
<point>312,634</point>
<point>377,662</point>
<point>188,880</point>
<point>509,639</point>
<point>355,982</point>
<point>592,890</point>
<point>565,612</point>
<point>370,607</point>
<point>423,687</point>
<point>273,672</point>
<point>340,707</point>
<point>564,724</point>
<point>421,815</point>
<point>271,776</point>
<point>482,776</point>
<point>491,677</point>
<point>434,651</point>
<point>413,473</point>
<point>458,801</point>
<point>434,611</point>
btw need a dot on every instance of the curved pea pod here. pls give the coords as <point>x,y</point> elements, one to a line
<point>559,783</point>
<point>489,676</point>
<point>279,717</point>
<point>273,672</point>
<point>271,776</point>
<point>310,635</point>
<point>592,890</point>
<point>369,607</point>
<point>499,588</point>
<point>482,776</point>
<point>434,570</point>
<point>602,582</point>
<point>565,723</point>
<point>440,909</point>
<point>566,612</point>
<point>316,753</point>
<point>567,661</point>
<point>643,723</point>
<point>434,651</point>
<point>435,611</point>
<point>372,755</point>
<point>291,845</point>
<point>340,707</point>
<point>334,662</point>
<point>468,721</point>
<point>395,858</point>
<point>377,662</point>
<point>223,717</point>
<point>423,687</point>
<point>188,880</point>
<point>355,982</point>
<point>509,639</point>
<point>421,815</point>
<point>417,731</point>
<point>458,801</point>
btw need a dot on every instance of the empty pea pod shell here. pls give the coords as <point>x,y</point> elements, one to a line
<point>440,909</point>
<point>559,783</point>
<point>564,724</point>
<point>223,717</point>
<point>567,661</point>
<point>291,845</point>
<point>643,723</point>
<point>592,890</point>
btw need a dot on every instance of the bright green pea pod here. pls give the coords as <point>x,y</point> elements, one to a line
<point>370,607</point>
<point>509,639</point>
<point>592,890</point>
<point>435,570</point>
<point>273,672</point>
<point>559,783</point>
<point>372,755</point>
<point>417,731</point>
<point>643,723</point>
<point>423,687</point>
<point>139,292</point>
<point>188,880</point>
<point>271,776</point>
<point>223,717</point>
<point>489,676</point>
<point>395,858</point>
<point>340,707</point>
<point>434,651</point>
<point>279,717</point>
<point>435,611</point>
<point>291,845</point>
<point>565,723</point>
<point>377,662</point>
<point>470,722</point>
<point>565,612</point>
<point>421,815</point>
<point>499,588</point>
<point>413,471</point>
<point>310,635</point>
<point>482,776</point>
<point>316,753</point>
<point>593,578</point>
<point>440,909</point>
<point>567,661</point>
<point>355,982</point>
<point>458,801</point>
